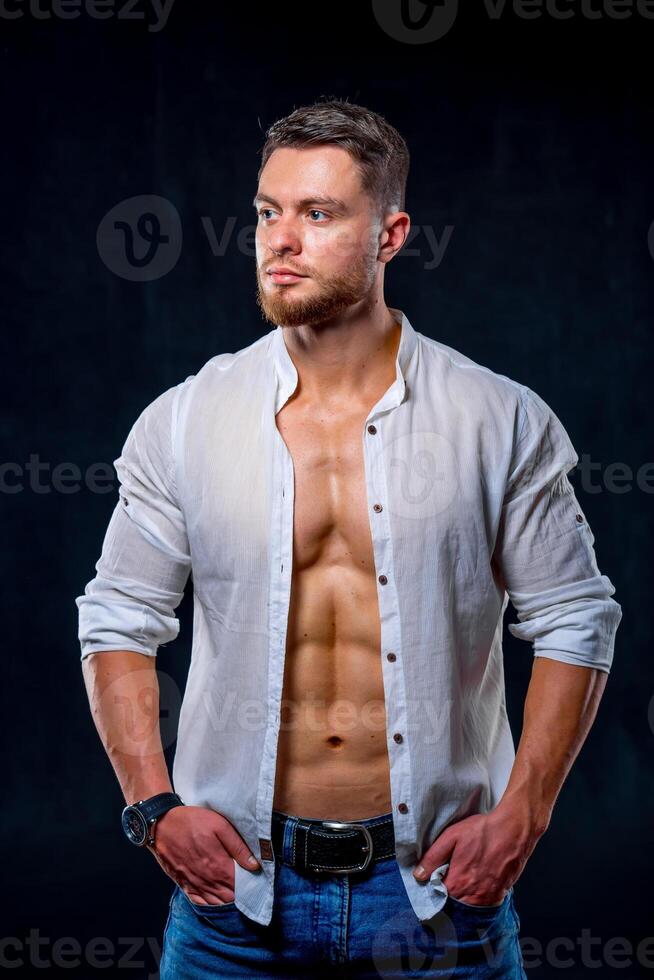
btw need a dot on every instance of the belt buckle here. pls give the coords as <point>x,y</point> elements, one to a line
<point>341,825</point>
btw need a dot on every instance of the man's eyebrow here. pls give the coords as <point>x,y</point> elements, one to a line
<point>332,202</point>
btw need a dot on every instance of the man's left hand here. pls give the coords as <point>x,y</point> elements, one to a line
<point>486,853</point>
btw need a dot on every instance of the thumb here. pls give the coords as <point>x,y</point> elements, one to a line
<point>246,858</point>
<point>238,849</point>
<point>439,853</point>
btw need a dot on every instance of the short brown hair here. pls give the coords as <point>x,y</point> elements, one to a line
<point>380,152</point>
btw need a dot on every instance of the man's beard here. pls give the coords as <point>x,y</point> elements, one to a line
<point>332,298</point>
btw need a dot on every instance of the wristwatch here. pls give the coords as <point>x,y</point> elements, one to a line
<point>138,819</point>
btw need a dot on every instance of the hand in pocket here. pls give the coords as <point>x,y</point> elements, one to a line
<point>197,847</point>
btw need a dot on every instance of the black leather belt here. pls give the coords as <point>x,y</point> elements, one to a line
<point>339,847</point>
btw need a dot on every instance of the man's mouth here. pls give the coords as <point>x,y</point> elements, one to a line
<point>281,274</point>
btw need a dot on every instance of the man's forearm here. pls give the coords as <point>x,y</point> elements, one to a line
<point>123,693</point>
<point>560,707</point>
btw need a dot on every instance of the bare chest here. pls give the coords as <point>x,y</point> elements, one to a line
<point>330,522</point>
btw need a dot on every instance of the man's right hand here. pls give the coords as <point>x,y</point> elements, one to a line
<point>195,846</point>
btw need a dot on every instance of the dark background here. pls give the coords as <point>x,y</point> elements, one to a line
<point>533,140</point>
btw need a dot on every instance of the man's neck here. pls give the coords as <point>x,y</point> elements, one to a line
<point>347,361</point>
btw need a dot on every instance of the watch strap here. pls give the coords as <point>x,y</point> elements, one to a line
<point>155,806</point>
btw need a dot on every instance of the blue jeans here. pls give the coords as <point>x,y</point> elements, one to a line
<point>358,926</point>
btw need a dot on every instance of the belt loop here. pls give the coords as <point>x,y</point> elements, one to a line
<point>288,846</point>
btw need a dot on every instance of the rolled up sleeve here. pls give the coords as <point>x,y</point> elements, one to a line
<point>145,561</point>
<point>544,549</point>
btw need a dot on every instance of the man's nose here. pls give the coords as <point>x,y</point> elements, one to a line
<point>284,237</point>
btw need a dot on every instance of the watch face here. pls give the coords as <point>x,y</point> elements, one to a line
<point>134,825</point>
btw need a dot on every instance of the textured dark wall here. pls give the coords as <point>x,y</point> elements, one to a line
<point>532,142</point>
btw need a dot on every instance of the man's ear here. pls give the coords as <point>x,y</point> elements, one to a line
<point>394,234</point>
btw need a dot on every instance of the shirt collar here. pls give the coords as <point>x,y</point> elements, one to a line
<point>287,372</point>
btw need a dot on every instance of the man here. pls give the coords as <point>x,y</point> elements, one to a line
<point>357,503</point>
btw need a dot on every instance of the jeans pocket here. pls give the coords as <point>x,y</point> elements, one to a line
<point>212,909</point>
<point>208,909</point>
<point>481,908</point>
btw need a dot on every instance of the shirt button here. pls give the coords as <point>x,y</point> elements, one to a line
<point>402,807</point>
<point>372,429</point>
<point>397,737</point>
<point>377,508</point>
<point>391,657</point>
<point>580,518</point>
<point>383,579</point>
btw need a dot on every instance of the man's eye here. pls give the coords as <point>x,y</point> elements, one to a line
<point>262,210</point>
<point>315,211</point>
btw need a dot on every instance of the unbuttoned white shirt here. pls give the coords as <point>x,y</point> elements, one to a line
<point>469,504</point>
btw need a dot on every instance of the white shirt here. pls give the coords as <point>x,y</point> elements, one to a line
<point>470,469</point>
